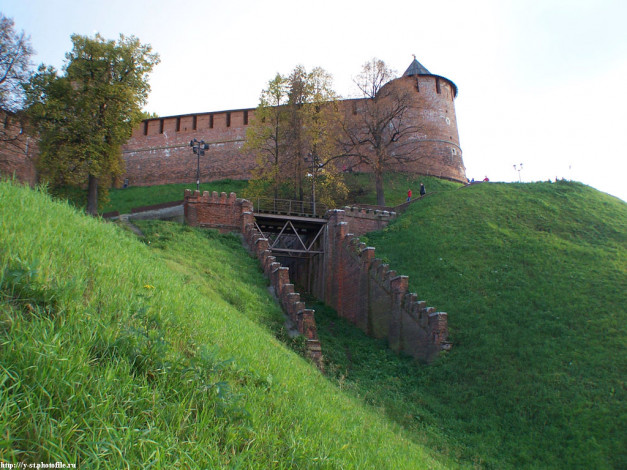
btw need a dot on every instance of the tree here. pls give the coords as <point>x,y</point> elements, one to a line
<point>15,64</point>
<point>380,132</point>
<point>85,116</point>
<point>15,70</point>
<point>291,134</point>
<point>266,137</point>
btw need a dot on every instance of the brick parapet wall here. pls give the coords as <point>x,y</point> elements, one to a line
<point>368,293</point>
<point>303,319</point>
<point>230,214</point>
<point>213,210</point>
<point>362,220</point>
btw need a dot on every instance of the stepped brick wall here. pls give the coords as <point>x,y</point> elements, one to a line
<point>366,292</point>
<point>230,214</point>
<point>348,277</point>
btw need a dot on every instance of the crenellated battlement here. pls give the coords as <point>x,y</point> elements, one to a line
<point>362,220</point>
<point>367,292</point>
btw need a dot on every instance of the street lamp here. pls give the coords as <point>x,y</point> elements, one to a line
<point>199,148</point>
<point>519,169</point>
<point>315,162</point>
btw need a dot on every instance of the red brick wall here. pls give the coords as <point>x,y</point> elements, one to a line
<point>349,278</point>
<point>362,220</point>
<point>158,151</point>
<point>438,152</point>
<point>213,210</point>
<point>366,292</point>
<point>18,150</point>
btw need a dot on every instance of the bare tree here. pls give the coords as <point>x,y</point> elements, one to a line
<point>15,64</point>
<point>381,131</point>
<point>15,69</point>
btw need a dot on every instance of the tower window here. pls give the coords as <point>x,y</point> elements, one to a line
<point>145,127</point>
<point>437,85</point>
<point>194,122</point>
<point>211,121</point>
<point>246,117</point>
<point>178,124</point>
<point>228,119</point>
<point>160,126</point>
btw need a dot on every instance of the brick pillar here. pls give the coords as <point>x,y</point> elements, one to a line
<point>398,288</point>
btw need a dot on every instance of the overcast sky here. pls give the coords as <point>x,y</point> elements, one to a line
<point>541,82</point>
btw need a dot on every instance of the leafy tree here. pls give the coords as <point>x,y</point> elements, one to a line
<point>85,115</point>
<point>292,134</point>
<point>266,137</point>
<point>380,133</point>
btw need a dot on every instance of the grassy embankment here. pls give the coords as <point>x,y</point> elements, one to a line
<point>361,190</point>
<point>123,200</point>
<point>534,277</point>
<point>115,355</point>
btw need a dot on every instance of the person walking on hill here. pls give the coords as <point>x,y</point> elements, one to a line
<point>423,191</point>
<point>408,195</point>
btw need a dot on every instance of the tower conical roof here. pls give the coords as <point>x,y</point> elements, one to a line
<point>416,68</point>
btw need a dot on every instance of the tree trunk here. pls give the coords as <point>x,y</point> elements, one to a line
<point>378,183</point>
<point>92,195</point>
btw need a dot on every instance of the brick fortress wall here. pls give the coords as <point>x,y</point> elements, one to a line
<point>158,151</point>
<point>366,292</point>
<point>438,152</point>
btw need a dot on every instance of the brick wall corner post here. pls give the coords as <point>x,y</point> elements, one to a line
<point>438,334</point>
<point>366,258</point>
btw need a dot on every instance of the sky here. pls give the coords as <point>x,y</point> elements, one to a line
<point>542,83</point>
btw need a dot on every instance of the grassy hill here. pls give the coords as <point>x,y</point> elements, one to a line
<point>168,350</point>
<point>534,277</point>
<point>115,355</point>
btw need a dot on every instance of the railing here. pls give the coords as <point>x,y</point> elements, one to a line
<point>289,207</point>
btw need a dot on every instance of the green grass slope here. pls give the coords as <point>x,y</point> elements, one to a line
<point>114,355</point>
<point>123,200</point>
<point>534,277</point>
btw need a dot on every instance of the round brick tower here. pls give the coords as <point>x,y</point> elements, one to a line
<point>433,111</point>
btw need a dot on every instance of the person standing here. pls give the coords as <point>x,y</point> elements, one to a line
<point>423,191</point>
<point>408,195</point>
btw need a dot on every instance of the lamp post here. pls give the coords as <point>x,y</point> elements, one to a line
<point>519,169</point>
<point>314,166</point>
<point>198,148</point>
